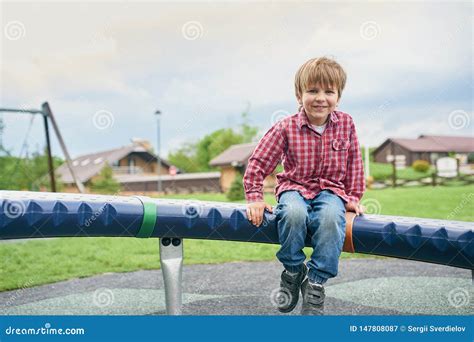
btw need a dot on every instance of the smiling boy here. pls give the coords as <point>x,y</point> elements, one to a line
<point>323,177</point>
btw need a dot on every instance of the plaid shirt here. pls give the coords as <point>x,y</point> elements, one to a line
<point>312,162</point>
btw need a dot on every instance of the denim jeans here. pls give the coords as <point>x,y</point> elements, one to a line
<point>323,219</point>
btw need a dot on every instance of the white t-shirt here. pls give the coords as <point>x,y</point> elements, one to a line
<point>319,129</point>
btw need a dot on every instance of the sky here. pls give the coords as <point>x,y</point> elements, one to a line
<point>106,67</point>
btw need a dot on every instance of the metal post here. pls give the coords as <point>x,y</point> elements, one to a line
<point>171,259</point>
<point>158,149</point>
<point>46,112</point>
<point>49,113</point>
<point>50,158</point>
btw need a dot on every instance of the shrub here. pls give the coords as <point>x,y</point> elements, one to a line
<point>421,165</point>
<point>470,158</point>
<point>105,183</point>
<point>236,191</point>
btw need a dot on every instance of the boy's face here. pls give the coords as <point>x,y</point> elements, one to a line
<point>318,102</point>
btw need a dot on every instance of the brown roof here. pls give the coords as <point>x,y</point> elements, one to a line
<point>435,143</point>
<point>236,153</point>
<point>131,178</point>
<point>89,165</point>
<point>452,143</point>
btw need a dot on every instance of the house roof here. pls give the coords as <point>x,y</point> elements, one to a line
<point>131,178</point>
<point>236,153</point>
<point>87,166</point>
<point>451,143</point>
<point>434,143</point>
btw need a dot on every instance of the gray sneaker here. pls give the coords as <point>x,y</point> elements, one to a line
<point>289,291</point>
<point>313,299</point>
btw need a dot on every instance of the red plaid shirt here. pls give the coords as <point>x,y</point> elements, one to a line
<point>312,162</point>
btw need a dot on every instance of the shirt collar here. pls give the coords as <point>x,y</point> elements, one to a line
<point>303,118</point>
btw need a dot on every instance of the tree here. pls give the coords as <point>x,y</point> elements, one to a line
<point>214,144</point>
<point>184,158</point>
<point>195,157</point>
<point>105,183</point>
<point>28,173</point>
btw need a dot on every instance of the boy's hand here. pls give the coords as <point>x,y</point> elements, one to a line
<point>355,207</point>
<point>255,212</point>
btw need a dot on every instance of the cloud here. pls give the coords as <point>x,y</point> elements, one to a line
<point>133,58</point>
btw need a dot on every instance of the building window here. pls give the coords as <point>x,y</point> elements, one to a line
<point>131,165</point>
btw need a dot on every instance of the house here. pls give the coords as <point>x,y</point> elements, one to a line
<point>233,163</point>
<point>135,167</point>
<point>425,147</point>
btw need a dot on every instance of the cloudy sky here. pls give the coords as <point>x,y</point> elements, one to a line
<point>106,67</point>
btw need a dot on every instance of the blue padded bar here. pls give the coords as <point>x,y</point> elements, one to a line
<point>36,215</point>
<point>42,214</point>
<point>437,241</point>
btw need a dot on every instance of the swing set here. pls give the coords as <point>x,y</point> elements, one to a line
<point>47,114</point>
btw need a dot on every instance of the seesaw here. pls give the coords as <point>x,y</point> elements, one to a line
<point>45,215</point>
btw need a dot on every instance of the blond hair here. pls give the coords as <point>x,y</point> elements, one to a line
<point>325,71</point>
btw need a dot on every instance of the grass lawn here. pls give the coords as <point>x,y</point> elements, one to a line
<point>382,171</point>
<point>25,264</point>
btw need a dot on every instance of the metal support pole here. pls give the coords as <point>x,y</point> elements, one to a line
<point>49,113</point>
<point>158,150</point>
<point>50,158</point>
<point>171,259</point>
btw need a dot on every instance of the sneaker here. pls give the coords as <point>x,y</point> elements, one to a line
<point>313,299</point>
<point>289,291</point>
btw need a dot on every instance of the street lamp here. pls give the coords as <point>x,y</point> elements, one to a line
<point>158,152</point>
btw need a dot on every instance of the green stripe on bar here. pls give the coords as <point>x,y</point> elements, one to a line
<point>149,217</point>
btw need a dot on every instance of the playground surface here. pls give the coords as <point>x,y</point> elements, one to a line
<point>363,287</point>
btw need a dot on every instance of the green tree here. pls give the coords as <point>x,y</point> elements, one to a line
<point>195,157</point>
<point>184,158</point>
<point>105,183</point>
<point>27,173</point>
<point>214,144</point>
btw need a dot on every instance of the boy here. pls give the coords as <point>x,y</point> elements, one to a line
<point>323,177</point>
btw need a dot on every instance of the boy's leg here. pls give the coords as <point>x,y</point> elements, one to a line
<point>292,217</point>
<point>327,227</point>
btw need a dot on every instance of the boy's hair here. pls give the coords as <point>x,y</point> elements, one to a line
<point>324,71</point>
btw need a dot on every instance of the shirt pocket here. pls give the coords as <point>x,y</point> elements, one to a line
<point>339,152</point>
<point>340,145</point>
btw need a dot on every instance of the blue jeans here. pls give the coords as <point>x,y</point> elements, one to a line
<point>323,220</point>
